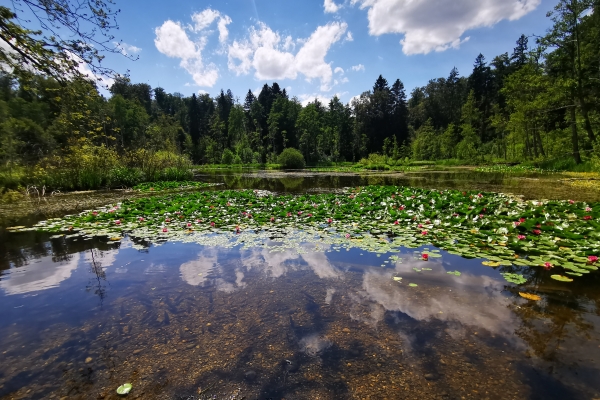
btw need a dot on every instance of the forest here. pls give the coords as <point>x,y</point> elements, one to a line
<point>538,104</point>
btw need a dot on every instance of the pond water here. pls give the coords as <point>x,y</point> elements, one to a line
<point>316,321</point>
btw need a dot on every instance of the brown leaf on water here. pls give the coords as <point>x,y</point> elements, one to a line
<point>530,296</point>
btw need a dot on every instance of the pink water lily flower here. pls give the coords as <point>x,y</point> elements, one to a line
<point>299,212</point>
<point>189,224</point>
<point>592,259</point>
<point>167,220</point>
<point>401,208</point>
<point>347,236</point>
<point>548,265</point>
<point>329,221</point>
<point>571,202</point>
<point>212,224</point>
<point>420,226</point>
<point>118,222</point>
<point>141,219</point>
<point>95,213</point>
<point>536,232</point>
<point>588,209</point>
<point>424,233</point>
<point>272,219</point>
<point>289,214</point>
<point>396,222</point>
<point>425,257</point>
<point>522,237</point>
<point>165,230</point>
<point>587,217</point>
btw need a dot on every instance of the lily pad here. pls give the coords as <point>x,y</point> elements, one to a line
<point>124,388</point>
<point>455,273</point>
<point>561,278</point>
<point>413,285</point>
<point>397,278</point>
<point>530,296</point>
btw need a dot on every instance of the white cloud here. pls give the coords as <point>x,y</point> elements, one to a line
<point>330,6</point>
<point>310,98</point>
<point>349,37</point>
<point>204,19</point>
<point>222,26</point>
<point>358,67</point>
<point>273,64</point>
<point>270,56</point>
<point>338,70</point>
<point>434,25</point>
<point>172,40</point>
<point>127,49</point>
<point>310,60</point>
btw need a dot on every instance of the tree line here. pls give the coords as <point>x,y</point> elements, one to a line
<point>538,102</point>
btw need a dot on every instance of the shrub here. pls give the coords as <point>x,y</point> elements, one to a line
<point>291,158</point>
<point>237,160</point>
<point>227,157</point>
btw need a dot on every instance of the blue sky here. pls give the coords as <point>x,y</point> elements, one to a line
<point>315,48</point>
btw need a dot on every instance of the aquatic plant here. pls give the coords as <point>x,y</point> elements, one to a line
<point>502,229</point>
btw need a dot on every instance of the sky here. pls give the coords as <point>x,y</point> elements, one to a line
<point>314,48</point>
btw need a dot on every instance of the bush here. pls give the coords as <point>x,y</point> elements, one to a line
<point>237,160</point>
<point>227,157</point>
<point>125,177</point>
<point>291,158</point>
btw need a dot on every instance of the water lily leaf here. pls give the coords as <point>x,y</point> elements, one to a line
<point>455,273</point>
<point>413,285</point>
<point>517,279</point>
<point>397,278</point>
<point>574,273</point>
<point>491,263</point>
<point>561,278</point>
<point>530,296</point>
<point>125,388</point>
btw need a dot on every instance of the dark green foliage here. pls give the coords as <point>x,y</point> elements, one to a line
<point>291,158</point>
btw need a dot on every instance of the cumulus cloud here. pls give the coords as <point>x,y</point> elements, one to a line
<point>358,67</point>
<point>330,6</point>
<point>127,49</point>
<point>349,37</point>
<point>173,41</point>
<point>338,70</point>
<point>434,25</point>
<point>269,55</point>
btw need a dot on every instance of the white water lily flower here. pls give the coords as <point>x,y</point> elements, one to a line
<point>383,203</point>
<point>502,231</point>
<point>437,222</point>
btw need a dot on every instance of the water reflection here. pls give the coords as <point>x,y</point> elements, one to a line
<point>298,323</point>
<point>44,273</point>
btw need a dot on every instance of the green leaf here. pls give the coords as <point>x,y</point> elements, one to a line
<point>124,389</point>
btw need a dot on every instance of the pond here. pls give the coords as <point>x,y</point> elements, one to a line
<point>290,313</point>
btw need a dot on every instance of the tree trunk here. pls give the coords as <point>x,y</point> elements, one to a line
<point>539,142</point>
<point>580,95</point>
<point>574,137</point>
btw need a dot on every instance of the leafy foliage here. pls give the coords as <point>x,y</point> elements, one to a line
<point>291,158</point>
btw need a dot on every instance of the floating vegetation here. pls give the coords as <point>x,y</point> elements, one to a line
<point>124,389</point>
<point>171,185</point>
<point>413,285</point>
<point>561,278</point>
<point>530,296</point>
<point>502,229</point>
<point>513,169</point>
<point>397,278</point>
<point>517,279</point>
<point>455,273</point>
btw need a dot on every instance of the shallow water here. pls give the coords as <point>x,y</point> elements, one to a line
<point>528,185</point>
<point>186,321</point>
<point>178,320</point>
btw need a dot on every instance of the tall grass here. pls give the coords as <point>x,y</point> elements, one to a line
<point>96,167</point>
